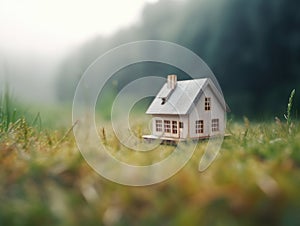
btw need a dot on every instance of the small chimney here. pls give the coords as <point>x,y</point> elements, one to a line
<point>171,81</point>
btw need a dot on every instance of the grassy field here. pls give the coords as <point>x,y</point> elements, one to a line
<point>44,180</point>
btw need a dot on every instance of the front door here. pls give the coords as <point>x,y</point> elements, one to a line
<point>180,126</point>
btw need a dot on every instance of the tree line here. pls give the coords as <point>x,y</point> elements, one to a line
<point>253,48</point>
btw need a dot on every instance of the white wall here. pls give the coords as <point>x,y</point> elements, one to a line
<point>199,113</point>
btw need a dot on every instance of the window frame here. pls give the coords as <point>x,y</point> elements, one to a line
<point>215,125</point>
<point>167,126</point>
<point>207,103</point>
<point>174,127</point>
<point>199,126</point>
<point>158,125</point>
<point>181,125</point>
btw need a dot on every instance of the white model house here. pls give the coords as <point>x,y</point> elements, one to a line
<point>189,109</point>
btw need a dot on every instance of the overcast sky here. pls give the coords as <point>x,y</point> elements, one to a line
<point>51,25</point>
<point>35,35</point>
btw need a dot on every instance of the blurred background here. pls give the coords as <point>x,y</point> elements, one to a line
<point>253,47</point>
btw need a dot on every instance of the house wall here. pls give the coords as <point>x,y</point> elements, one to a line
<point>199,113</point>
<point>181,133</point>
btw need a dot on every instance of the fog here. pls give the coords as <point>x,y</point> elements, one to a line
<point>29,77</point>
<point>36,37</point>
<point>251,46</point>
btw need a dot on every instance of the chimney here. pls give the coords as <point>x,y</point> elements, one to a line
<point>171,81</point>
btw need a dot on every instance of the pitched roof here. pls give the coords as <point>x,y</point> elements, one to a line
<point>180,100</point>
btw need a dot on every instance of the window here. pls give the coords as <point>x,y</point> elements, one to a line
<point>167,125</point>
<point>199,126</point>
<point>215,125</point>
<point>181,125</point>
<point>207,103</point>
<point>158,125</point>
<point>174,127</point>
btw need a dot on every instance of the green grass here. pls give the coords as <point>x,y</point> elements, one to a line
<point>255,180</point>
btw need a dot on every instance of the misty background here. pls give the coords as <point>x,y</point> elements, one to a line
<point>253,47</point>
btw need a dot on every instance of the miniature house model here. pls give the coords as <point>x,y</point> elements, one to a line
<point>189,109</point>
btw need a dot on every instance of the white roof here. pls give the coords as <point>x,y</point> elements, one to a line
<point>180,99</point>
